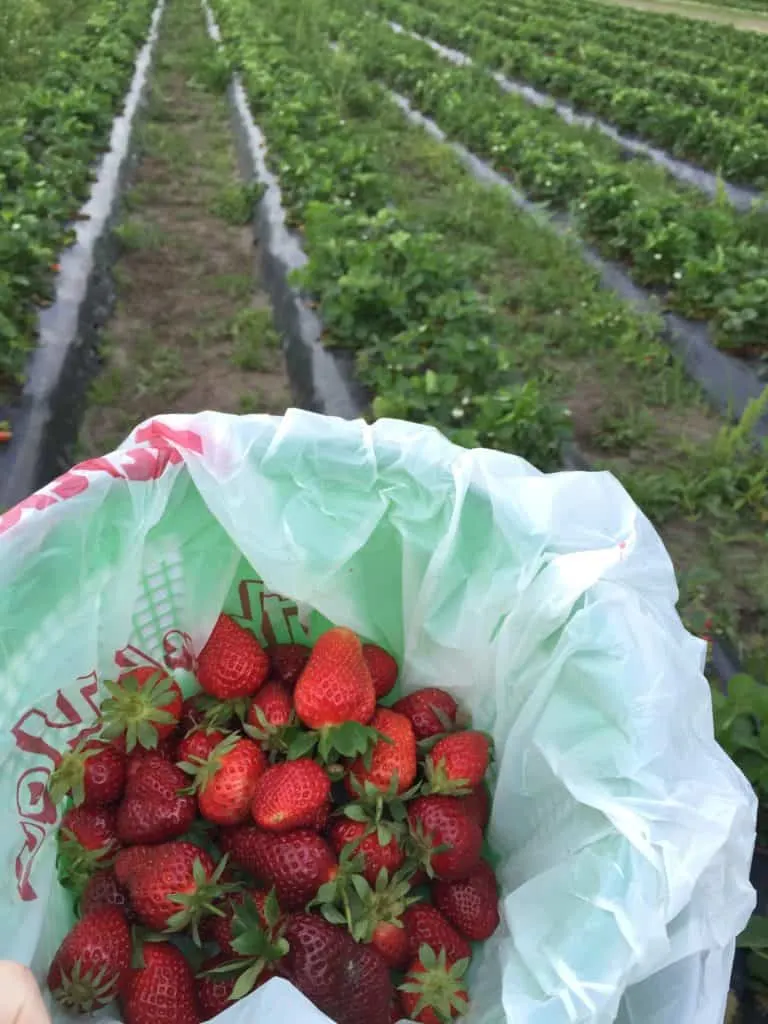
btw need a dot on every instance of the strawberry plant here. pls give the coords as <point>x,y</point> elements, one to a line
<point>56,120</point>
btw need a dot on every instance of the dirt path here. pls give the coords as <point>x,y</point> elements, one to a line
<point>192,328</point>
<point>748,21</point>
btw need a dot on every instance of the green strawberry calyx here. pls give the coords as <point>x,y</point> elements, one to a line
<point>332,742</point>
<point>439,985</point>
<point>438,781</point>
<point>136,709</point>
<point>371,906</point>
<point>86,991</point>
<point>76,863</point>
<point>203,770</point>
<point>258,939</point>
<point>69,775</point>
<point>202,901</point>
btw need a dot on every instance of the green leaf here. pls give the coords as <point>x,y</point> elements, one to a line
<point>301,745</point>
<point>247,980</point>
<point>355,813</point>
<point>755,935</point>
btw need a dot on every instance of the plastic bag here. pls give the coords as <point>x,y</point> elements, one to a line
<point>545,603</point>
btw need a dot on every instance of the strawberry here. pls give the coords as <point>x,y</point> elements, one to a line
<point>144,705</point>
<point>457,763</point>
<point>393,756</point>
<point>477,805</point>
<point>163,990</point>
<point>166,748</point>
<point>93,828</point>
<point>242,843</point>
<point>129,860</point>
<point>214,991</point>
<point>447,840</point>
<point>434,990</point>
<point>93,773</point>
<point>87,839</point>
<point>431,711</point>
<point>176,887</point>
<point>271,716</point>
<point>91,966</point>
<point>288,662</point>
<point>290,795</point>
<point>471,904</point>
<point>198,744</point>
<point>103,890</point>
<point>376,855</point>
<point>226,780</point>
<point>383,669</point>
<point>389,939</point>
<point>155,808</point>
<point>373,914</point>
<point>335,687</point>
<point>348,982</point>
<point>295,863</point>
<point>233,663</point>
<point>426,926</point>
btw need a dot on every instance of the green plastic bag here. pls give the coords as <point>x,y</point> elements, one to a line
<point>545,603</point>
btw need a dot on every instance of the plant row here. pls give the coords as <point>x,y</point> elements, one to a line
<point>713,41</point>
<point>730,86</point>
<point>450,299</point>
<point>705,260</point>
<point>54,125</point>
<point>693,118</point>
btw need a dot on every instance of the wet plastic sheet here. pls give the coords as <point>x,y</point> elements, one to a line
<point>545,603</point>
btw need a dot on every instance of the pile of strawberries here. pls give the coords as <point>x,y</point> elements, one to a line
<point>280,823</point>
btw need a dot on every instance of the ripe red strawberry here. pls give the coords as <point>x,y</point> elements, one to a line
<point>430,710</point>
<point>478,805</point>
<point>457,763</point>
<point>94,774</point>
<point>243,845</point>
<point>390,940</point>
<point>129,860</point>
<point>442,821</point>
<point>426,926</point>
<point>274,702</point>
<point>383,669</point>
<point>434,990</point>
<point>93,828</point>
<point>166,748</point>
<point>154,808</point>
<point>376,855</point>
<point>233,663</point>
<point>392,757</point>
<point>87,840</point>
<point>295,864</point>
<point>163,990</point>
<point>288,662</point>
<point>290,795</point>
<point>103,890</point>
<point>336,686</point>
<point>144,706</point>
<point>270,716</point>
<point>472,904</point>
<point>214,991</point>
<point>91,966</point>
<point>347,981</point>
<point>199,743</point>
<point>181,870</point>
<point>226,781</point>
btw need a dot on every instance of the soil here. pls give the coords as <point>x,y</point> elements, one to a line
<point>192,327</point>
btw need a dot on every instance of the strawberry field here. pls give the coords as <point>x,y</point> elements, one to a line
<point>541,230</point>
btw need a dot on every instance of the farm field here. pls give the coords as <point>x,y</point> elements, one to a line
<point>455,307</point>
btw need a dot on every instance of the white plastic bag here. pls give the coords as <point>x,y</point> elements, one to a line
<point>545,603</point>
